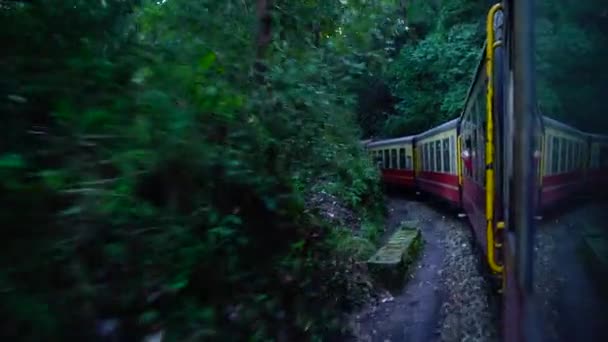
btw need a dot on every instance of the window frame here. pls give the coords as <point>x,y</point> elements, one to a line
<point>562,155</point>
<point>446,155</point>
<point>438,156</point>
<point>555,155</point>
<point>394,159</point>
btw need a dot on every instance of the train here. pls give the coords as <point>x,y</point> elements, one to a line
<point>501,161</point>
<point>448,161</point>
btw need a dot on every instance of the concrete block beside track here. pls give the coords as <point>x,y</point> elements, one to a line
<point>392,261</point>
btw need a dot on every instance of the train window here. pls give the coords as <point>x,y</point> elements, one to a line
<point>582,153</point>
<point>452,154</point>
<point>438,155</point>
<point>467,148</point>
<point>595,157</point>
<point>423,157</point>
<point>394,160</point>
<point>572,155</point>
<point>547,154</point>
<point>386,160</point>
<point>555,156</point>
<point>446,155</point>
<point>568,154</point>
<point>562,155</point>
<point>432,156</point>
<point>409,163</point>
<point>427,157</point>
<point>575,156</point>
<point>585,154</point>
<point>474,171</point>
<point>479,171</point>
<point>402,164</point>
<point>377,159</point>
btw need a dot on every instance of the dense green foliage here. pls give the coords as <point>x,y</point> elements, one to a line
<point>426,82</point>
<point>157,159</point>
<point>429,74</point>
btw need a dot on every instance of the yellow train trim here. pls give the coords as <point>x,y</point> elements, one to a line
<point>494,266</point>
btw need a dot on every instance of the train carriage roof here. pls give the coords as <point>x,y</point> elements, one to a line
<point>548,122</point>
<point>441,128</point>
<point>395,141</point>
<point>600,138</point>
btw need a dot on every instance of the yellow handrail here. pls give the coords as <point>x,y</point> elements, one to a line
<point>490,140</point>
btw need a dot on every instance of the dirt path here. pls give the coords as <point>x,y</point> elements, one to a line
<point>427,308</point>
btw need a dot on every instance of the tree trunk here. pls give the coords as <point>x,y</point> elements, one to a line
<point>264,36</point>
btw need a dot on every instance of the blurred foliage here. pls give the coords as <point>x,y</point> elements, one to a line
<point>155,166</point>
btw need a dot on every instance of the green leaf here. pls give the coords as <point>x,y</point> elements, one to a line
<point>207,61</point>
<point>12,161</point>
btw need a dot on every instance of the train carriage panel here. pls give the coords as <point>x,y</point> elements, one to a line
<point>563,162</point>
<point>473,149</point>
<point>438,171</point>
<point>395,159</point>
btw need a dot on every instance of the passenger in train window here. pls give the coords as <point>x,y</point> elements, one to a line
<point>466,157</point>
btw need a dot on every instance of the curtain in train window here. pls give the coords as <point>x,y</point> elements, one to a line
<point>394,164</point>
<point>386,160</point>
<point>446,155</point>
<point>402,164</point>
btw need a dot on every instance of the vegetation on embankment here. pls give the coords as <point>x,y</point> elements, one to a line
<point>157,159</point>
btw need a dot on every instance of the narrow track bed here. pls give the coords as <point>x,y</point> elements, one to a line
<point>431,305</point>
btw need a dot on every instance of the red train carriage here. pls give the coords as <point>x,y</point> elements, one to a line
<point>563,162</point>
<point>437,169</point>
<point>473,154</point>
<point>395,159</point>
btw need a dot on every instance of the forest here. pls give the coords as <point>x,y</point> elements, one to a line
<point>194,167</point>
